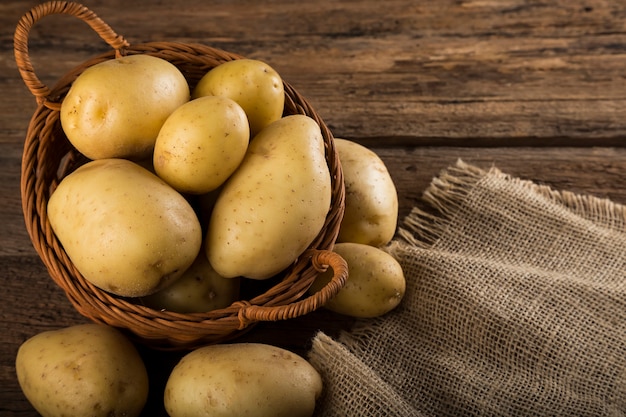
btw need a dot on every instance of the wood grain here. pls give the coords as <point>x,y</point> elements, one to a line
<point>484,71</point>
<point>534,88</point>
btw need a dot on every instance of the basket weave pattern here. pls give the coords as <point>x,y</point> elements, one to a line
<point>48,157</point>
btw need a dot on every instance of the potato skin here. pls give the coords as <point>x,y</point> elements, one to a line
<point>242,379</point>
<point>83,370</point>
<point>275,204</point>
<point>253,84</point>
<point>198,290</point>
<point>371,213</point>
<point>125,230</point>
<point>201,144</point>
<point>115,109</point>
<point>375,286</point>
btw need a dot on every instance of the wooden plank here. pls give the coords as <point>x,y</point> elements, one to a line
<point>509,72</point>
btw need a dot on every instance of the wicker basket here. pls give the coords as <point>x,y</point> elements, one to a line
<point>48,157</point>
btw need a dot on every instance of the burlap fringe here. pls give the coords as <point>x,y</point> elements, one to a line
<point>444,195</point>
<point>443,200</point>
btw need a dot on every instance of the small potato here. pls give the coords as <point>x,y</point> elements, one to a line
<point>199,290</point>
<point>375,285</point>
<point>83,370</point>
<point>201,144</point>
<point>253,84</point>
<point>371,212</point>
<point>245,379</point>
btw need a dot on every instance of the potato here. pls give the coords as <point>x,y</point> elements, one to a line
<point>375,285</point>
<point>272,208</point>
<point>83,370</point>
<point>371,212</point>
<point>200,289</point>
<point>125,230</point>
<point>253,84</point>
<point>245,379</point>
<point>201,144</point>
<point>115,109</point>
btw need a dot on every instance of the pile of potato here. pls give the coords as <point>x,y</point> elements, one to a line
<point>175,178</point>
<point>187,194</point>
<point>94,370</point>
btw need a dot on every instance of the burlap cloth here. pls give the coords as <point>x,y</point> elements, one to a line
<point>515,306</point>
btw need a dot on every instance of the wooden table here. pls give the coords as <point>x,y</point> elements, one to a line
<point>536,89</point>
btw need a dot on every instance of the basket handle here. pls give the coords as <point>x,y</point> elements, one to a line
<point>321,259</point>
<point>20,40</point>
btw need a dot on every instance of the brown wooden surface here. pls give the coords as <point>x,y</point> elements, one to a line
<point>535,88</point>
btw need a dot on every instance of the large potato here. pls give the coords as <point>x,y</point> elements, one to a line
<point>201,144</point>
<point>245,379</point>
<point>375,286</point>
<point>83,370</point>
<point>115,109</point>
<point>371,213</point>
<point>198,290</point>
<point>272,208</point>
<point>124,228</point>
<point>253,84</point>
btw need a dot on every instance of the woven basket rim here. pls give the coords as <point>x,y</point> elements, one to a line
<point>48,156</point>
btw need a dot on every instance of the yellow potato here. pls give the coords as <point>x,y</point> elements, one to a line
<point>201,144</point>
<point>83,370</point>
<point>375,285</point>
<point>125,230</point>
<point>115,109</point>
<point>272,208</point>
<point>245,379</point>
<point>253,84</point>
<point>371,212</point>
<point>200,289</point>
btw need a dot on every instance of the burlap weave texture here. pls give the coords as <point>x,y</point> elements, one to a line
<point>515,306</point>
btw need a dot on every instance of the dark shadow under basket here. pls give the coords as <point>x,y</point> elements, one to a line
<point>48,157</point>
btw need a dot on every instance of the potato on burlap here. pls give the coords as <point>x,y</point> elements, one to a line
<point>375,286</point>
